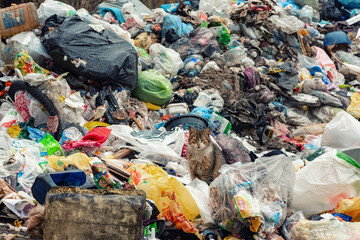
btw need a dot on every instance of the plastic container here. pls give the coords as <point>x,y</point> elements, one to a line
<point>45,182</point>
<point>18,19</point>
<point>82,214</point>
<point>192,67</point>
<point>353,20</point>
<point>178,108</point>
<point>185,121</point>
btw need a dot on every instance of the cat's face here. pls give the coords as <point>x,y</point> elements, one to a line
<point>199,139</point>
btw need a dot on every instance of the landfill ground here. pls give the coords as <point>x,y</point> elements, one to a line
<point>12,234</point>
<point>180,120</point>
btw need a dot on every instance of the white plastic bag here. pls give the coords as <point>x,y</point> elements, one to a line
<point>30,40</point>
<point>99,25</point>
<point>31,170</point>
<point>166,142</point>
<point>214,5</point>
<point>325,230</point>
<point>27,41</point>
<point>166,60</point>
<point>341,132</point>
<point>50,7</point>
<point>200,192</point>
<point>11,116</point>
<point>211,99</point>
<point>323,182</point>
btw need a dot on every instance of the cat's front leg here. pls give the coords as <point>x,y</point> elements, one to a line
<point>194,175</point>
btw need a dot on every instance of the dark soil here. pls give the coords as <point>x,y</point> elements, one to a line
<point>6,233</point>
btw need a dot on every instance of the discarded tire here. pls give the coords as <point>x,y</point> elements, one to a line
<point>39,96</point>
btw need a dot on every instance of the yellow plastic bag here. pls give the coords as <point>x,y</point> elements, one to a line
<point>354,107</point>
<point>79,160</point>
<point>91,125</point>
<point>350,207</point>
<point>14,131</point>
<point>152,107</point>
<point>172,199</point>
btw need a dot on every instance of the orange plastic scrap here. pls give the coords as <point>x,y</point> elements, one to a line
<point>173,214</point>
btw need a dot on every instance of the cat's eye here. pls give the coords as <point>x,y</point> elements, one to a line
<point>203,140</point>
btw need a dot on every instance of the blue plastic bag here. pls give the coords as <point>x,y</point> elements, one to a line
<point>284,3</point>
<point>172,7</point>
<point>174,22</point>
<point>350,4</point>
<point>35,134</point>
<point>205,113</point>
<point>114,11</point>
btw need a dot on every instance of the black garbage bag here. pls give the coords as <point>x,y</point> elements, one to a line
<point>330,9</point>
<point>102,57</point>
<point>52,22</point>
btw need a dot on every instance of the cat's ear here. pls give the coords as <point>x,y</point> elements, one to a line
<point>192,130</point>
<point>207,131</point>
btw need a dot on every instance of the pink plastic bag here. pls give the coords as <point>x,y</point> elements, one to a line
<point>328,65</point>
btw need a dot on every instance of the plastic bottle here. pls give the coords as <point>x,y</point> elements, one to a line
<point>313,32</point>
<point>192,65</point>
<point>353,20</point>
<point>153,236</point>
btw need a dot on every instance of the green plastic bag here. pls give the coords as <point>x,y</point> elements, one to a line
<point>153,87</point>
<point>52,146</point>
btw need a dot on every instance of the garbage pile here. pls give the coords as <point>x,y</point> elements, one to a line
<point>204,119</point>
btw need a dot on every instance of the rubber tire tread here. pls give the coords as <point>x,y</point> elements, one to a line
<point>39,96</point>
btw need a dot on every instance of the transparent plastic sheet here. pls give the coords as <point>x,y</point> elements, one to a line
<point>323,182</point>
<point>200,41</point>
<point>268,180</point>
<point>289,223</point>
<point>167,61</point>
<point>201,193</point>
<point>168,143</point>
<point>27,41</point>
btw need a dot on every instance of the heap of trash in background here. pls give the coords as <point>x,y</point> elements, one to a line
<point>104,100</point>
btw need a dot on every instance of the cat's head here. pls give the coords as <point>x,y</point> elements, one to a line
<point>199,139</point>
